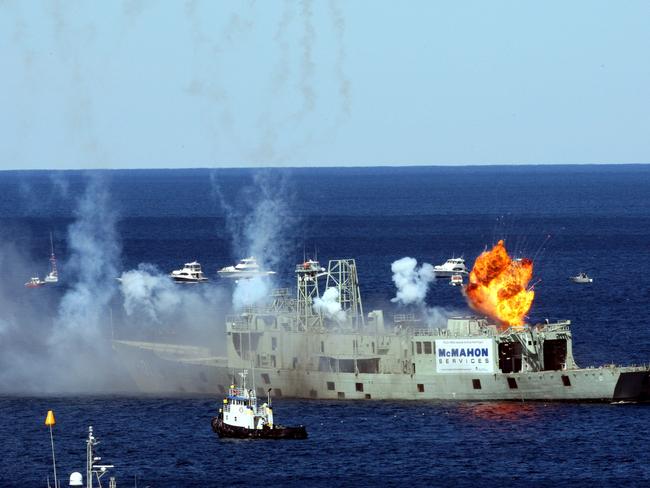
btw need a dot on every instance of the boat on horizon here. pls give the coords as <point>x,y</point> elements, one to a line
<point>246,268</point>
<point>190,273</point>
<point>53,275</point>
<point>34,282</point>
<point>581,278</point>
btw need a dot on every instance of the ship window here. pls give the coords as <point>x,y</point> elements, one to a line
<point>359,386</point>
<point>420,388</point>
<point>373,347</point>
<point>295,363</point>
<point>313,393</point>
<point>367,396</point>
<point>418,347</point>
<point>565,380</point>
<point>476,384</point>
<point>274,343</point>
<point>265,378</point>
<point>512,383</point>
<point>413,364</point>
<point>273,360</point>
<point>277,392</point>
<point>341,395</point>
<point>427,348</point>
<point>330,386</point>
<point>322,346</point>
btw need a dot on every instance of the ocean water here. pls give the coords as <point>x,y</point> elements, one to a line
<point>567,218</point>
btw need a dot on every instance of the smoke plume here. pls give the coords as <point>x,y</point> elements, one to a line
<point>412,282</point>
<point>329,305</point>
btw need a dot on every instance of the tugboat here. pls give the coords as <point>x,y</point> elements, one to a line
<point>241,418</point>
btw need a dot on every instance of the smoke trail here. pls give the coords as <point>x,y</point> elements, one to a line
<point>329,305</point>
<point>80,339</point>
<point>344,82</point>
<point>307,64</point>
<point>412,282</point>
<point>260,227</point>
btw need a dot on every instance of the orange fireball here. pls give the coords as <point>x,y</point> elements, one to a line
<point>498,286</point>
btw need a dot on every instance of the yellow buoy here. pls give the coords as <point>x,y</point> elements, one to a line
<point>49,420</point>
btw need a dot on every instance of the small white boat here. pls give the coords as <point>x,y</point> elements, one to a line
<point>191,273</point>
<point>53,275</point>
<point>581,278</point>
<point>34,282</point>
<point>451,267</point>
<point>246,268</point>
<point>456,280</point>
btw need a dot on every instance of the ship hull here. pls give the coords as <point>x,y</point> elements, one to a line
<point>580,385</point>
<point>277,432</point>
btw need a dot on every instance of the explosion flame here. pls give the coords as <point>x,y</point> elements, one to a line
<point>498,286</point>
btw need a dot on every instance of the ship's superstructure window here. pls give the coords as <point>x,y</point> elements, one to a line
<point>512,383</point>
<point>367,396</point>
<point>476,384</point>
<point>341,395</point>
<point>313,393</point>
<point>427,348</point>
<point>510,357</point>
<point>265,378</point>
<point>322,346</point>
<point>554,354</point>
<point>418,347</point>
<point>359,386</point>
<point>331,386</point>
<point>277,392</point>
<point>274,343</point>
<point>273,363</point>
<point>566,381</point>
<point>420,388</point>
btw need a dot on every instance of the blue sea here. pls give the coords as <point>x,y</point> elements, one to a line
<point>593,218</point>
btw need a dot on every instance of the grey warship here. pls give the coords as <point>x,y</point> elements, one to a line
<point>297,350</point>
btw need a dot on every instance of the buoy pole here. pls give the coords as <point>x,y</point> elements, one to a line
<point>56,484</point>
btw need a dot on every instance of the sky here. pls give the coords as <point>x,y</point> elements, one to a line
<point>149,84</point>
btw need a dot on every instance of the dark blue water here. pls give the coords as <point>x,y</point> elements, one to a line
<point>570,219</point>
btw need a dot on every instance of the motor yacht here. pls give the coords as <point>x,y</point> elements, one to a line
<point>451,267</point>
<point>581,278</point>
<point>191,273</point>
<point>246,268</point>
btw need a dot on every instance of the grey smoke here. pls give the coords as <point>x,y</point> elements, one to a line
<point>338,21</point>
<point>307,62</point>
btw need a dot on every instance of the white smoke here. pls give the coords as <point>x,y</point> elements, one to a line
<point>148,292</point>
<point>329,305</point>
<point>260,227</point>
<point>412,282</point>
<point>81,329</point>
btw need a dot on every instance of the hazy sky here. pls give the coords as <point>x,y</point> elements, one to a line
<point>145,83</point>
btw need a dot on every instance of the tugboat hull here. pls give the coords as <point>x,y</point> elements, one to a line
<point>277,432</point>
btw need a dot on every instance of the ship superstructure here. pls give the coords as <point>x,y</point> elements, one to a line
<point>296,346</point>
<point>299,351</point>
